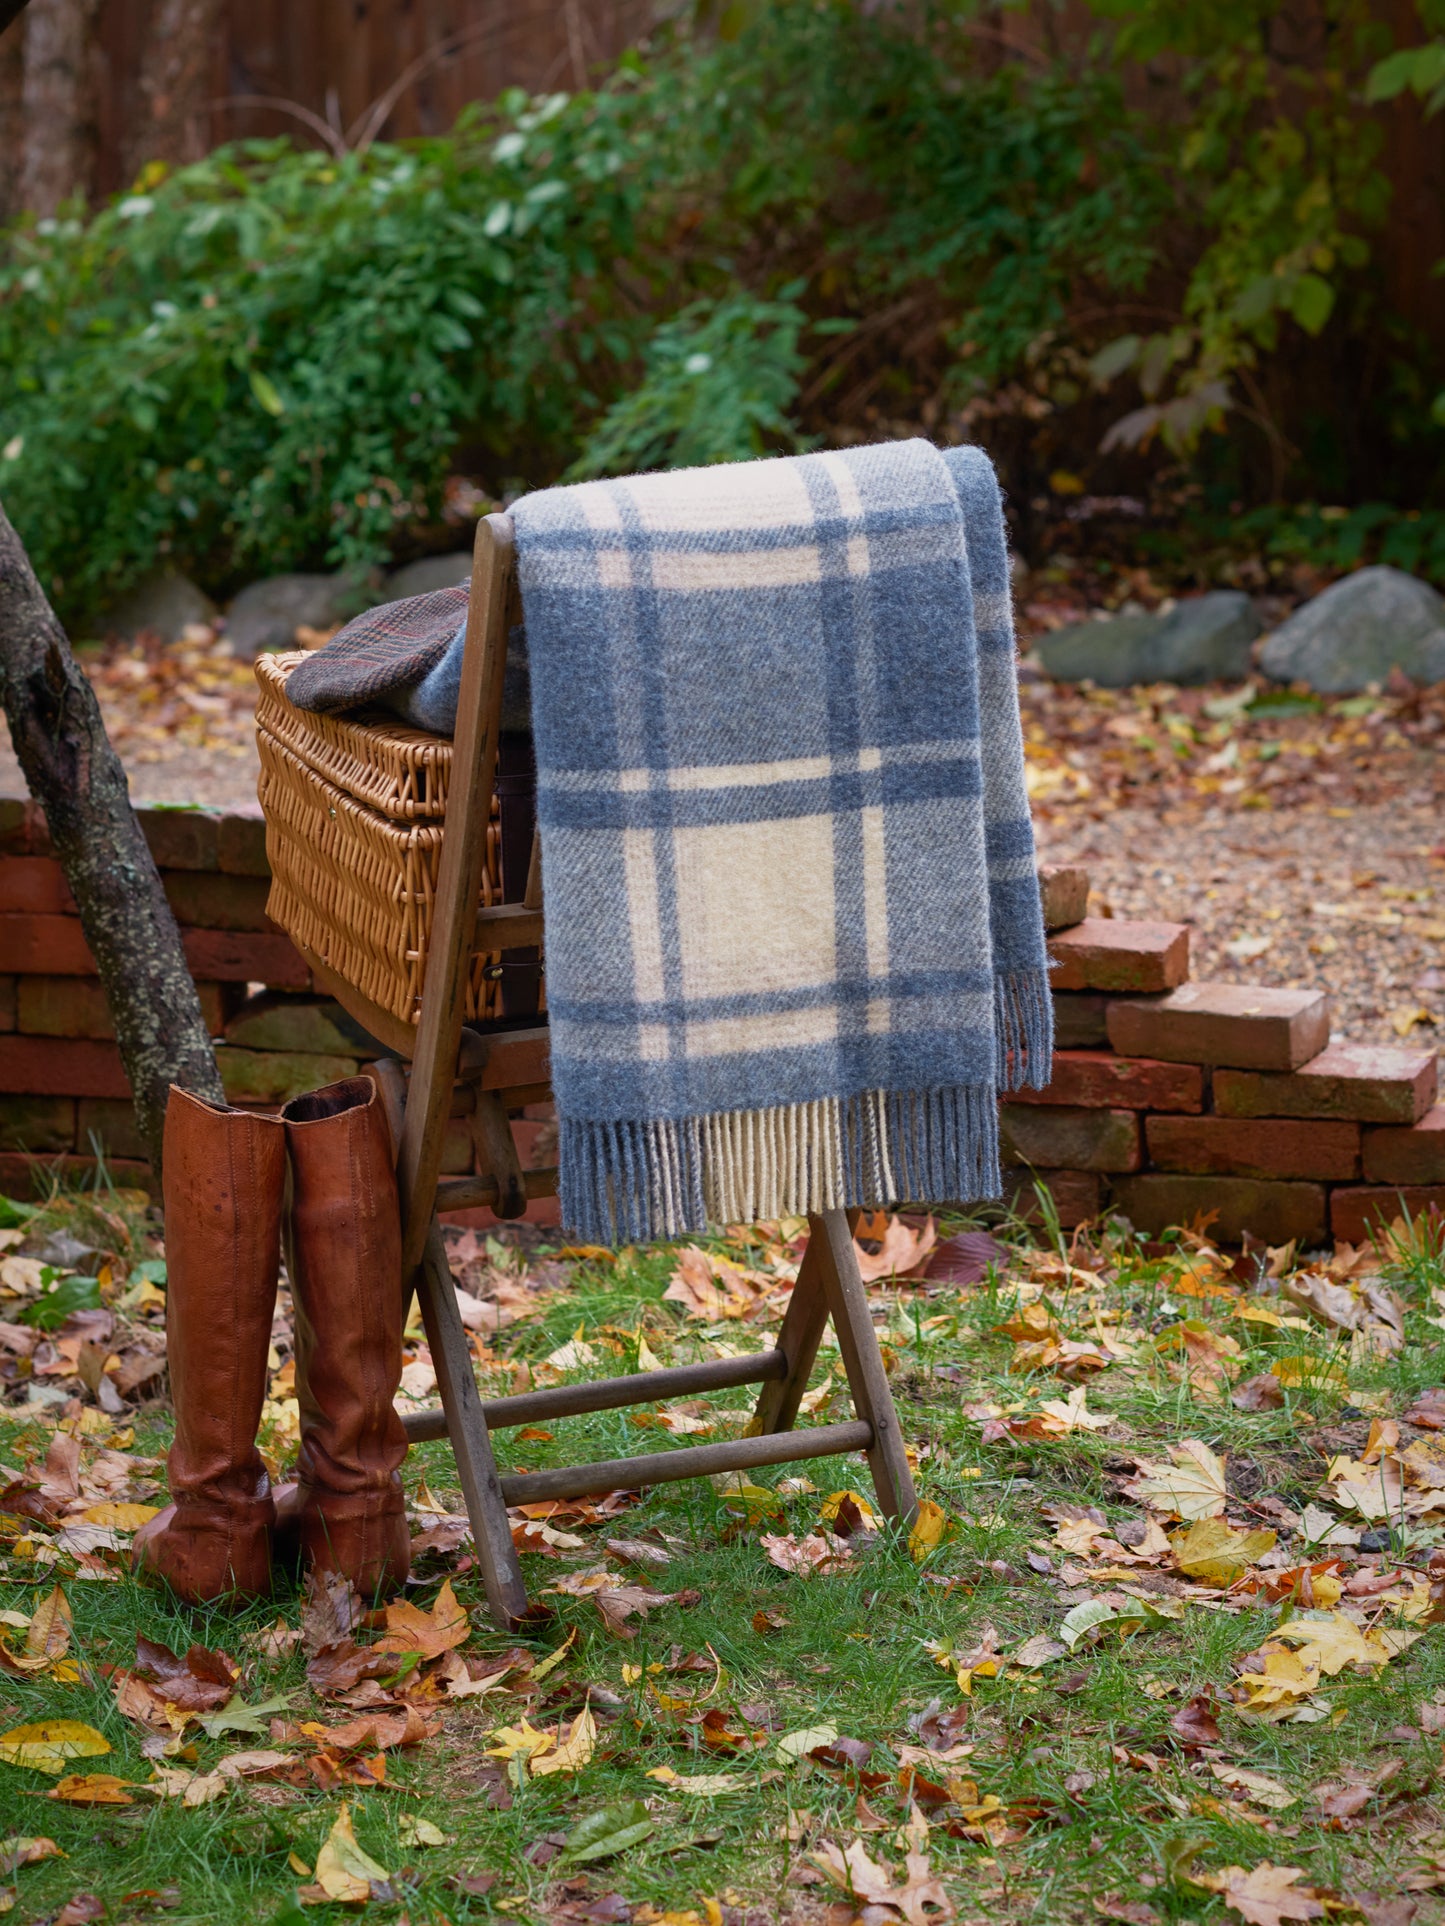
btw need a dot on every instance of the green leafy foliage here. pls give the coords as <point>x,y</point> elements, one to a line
<point>798,221</point>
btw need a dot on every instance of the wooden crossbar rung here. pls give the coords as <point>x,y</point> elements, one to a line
<point>695,1461</point>
<point>608,1394</point>
<point>464,1193</point>
<point>508,926</point>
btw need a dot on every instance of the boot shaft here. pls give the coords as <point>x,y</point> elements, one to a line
<point>223,1185</point>
<point>343,1256</point>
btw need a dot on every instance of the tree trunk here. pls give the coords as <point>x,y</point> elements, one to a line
<point>171,115</point>
<point>12,81</point>
<point>77,778</point>
<point>58,102</point>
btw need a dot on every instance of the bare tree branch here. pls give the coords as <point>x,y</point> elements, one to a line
<point>77,778</point>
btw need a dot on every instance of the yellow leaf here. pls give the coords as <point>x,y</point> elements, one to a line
<point>1214,1550</point>
<point>92,1789</point>
<point>47,1637</point>
<point>834,1502</point>
<point>1062,1416</point>
<point>343,1870</point>
<point>1332,1641</point>
<point>1314,1374</point>
<point>569,1754</point>
<point>1285,1676</point>
<point>46,1747</point>
<point>120,1517</point>
<point>928,1529</point>
<point>554,1659</point>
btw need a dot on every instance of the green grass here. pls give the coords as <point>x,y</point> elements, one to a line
<point>1063,1747</point>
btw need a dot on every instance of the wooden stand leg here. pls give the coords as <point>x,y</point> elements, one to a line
<point>803,1325</point>
<point>466,1425</point>
<point>470,1439</point>
<point>858,1341</point>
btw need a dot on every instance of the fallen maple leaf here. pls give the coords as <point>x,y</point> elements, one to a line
<point>1191,1487</point>
<point>901,1249</point>
<point>409,1629</point>
<point>1258,1789</point>
<point>1264,1895</point>
<point>818,1552</point>
<point>1214,1550</point>
<point>1195,1724</point>
<point>571,1752</point>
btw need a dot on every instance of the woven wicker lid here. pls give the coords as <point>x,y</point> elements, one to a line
<point>401,772</point>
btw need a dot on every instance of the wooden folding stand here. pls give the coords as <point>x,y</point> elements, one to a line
<point>486,1074</point>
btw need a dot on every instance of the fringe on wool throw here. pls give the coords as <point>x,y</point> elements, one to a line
<point>1024,1029</point>
<point>639,1182</point>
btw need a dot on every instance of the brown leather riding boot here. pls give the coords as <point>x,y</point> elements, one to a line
<point>224,1179</point>
<point>343,1252</point>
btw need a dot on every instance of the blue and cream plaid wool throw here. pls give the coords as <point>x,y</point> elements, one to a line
<point>794,938</point>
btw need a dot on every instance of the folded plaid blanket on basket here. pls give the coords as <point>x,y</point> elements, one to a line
<point>794,939</point>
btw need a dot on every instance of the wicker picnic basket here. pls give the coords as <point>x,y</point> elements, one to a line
<point>354,813</point>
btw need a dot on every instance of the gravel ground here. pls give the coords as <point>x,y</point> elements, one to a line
<point>1304,842</point>
<point>1300,899</point>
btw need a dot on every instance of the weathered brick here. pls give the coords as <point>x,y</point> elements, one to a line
<point>1111,953</point>
<point>1097,1078</point>
<point>34,1177</point>
<point>1075,1196</point>
<point>181,838</point>
<point>1066,1139</point>
<point>242,843</point>
<point>1255,1147</point>
<point>110,1123</point>
<point>1275,1211</point>
<point>236,956</point>
<point>205,899</point>
<point>1080,1020</point>
<point>61,1067</point>
<point>1356,1215</point>
<point>37,1123</point>
<point>1411,1156</point>
<point>1065,892</point>
<point>23,829</point>
<point>1223,1023</point>
<point>46,945</point>
<point>35,885</point>
<point>274,1076</point>
<point>75,1006</point>
<point>275,1021</point>
<point>7,1002</point>
<point>1365,1082</point>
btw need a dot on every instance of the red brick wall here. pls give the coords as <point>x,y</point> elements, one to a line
<point>1169,1097</point>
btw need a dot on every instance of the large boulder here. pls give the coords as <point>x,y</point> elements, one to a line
<point>431,572</point>
<point>266,615</point>
<point>1204,639</point>
<point>166,603</point>
<point>1359,629</point>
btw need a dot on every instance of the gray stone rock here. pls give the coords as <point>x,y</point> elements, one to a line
<point>166,603</point>
<point>1204,639</point>
<point>266,615</point>
<point>431,572</point>
<point>1359,629</point>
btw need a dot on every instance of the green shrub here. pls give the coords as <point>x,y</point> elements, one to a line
<point>821,221</point>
